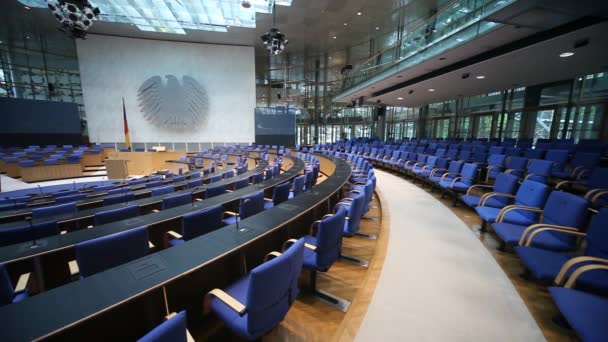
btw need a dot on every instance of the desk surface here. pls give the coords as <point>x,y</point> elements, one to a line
<point>60,308</point>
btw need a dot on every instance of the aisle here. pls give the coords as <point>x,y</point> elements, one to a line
<point>439,283</point>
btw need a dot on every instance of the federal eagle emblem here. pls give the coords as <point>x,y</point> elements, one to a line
<point>171,105</point>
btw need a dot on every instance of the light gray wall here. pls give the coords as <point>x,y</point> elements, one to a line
<point>116,67</point>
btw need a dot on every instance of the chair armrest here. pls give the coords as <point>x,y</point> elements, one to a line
<point>267,199</point>
<point>230,213</point>
<point>597,195</point>
<point>22,282</point>
<point>354,192</point>
<point>447,174</point>
<point>155,211</point>
<point>512,170</point>
<point>476,186</point>
<point>227,190</point>
<point>227,299</point>
<point>534,174</point>
<point>271,255</point>
<point>174,235</point>
<point>508,208</point>
<point>534,229</point>
<point>313,226</point>
<point>435,170</point>
<point>563,272</point>
<point>563,183</point>
<point>486,197</point>
<point>459,178</point>
<point>572,280</point>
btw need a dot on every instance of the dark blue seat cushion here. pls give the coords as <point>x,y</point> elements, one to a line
<point>587,314</point>
<point>511,233</point>
<point>238,290</point>
<point>490,214</point>
<point>171,330</point>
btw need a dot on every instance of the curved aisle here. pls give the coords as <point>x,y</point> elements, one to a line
<point>439,282</point>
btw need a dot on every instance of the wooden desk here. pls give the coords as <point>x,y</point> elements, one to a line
<point>48,172</point>
<point>145,163</point>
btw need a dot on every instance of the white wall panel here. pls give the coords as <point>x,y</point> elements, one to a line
<point>114,67</point>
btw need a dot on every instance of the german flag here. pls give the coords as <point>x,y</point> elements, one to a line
<point>124,114</point>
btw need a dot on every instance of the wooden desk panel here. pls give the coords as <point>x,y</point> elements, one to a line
<point>91,159</point>
<point>144,163</point>
<point>11,169</point>
<point>47,172</point>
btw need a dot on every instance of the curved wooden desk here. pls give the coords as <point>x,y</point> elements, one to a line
<point>134,297</point>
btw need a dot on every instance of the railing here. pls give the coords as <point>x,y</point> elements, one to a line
<point>460,21</point>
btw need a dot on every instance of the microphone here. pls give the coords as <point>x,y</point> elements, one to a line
<point>192,193</point>
<point>34,242</point>
<point>40,189</point>
<point>238,213</point>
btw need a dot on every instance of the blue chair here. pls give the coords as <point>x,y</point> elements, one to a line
<point>194,183</point>
<point>538,170</point>
<point>255,304</point>
<point>229,174</point>
<point>579,166</point>
<point>241,183</point>
<point>10,294</point>
<point>114,215</point>
<point>69,198</point>
<point>280,194</point>
<point>176,200</point>
<point>452,172</point>
<point>248,206</point>
<point>13,206</point>
<point>516,166</point>
<point>460,183</point>
<point>257,178</point>
<point>215,191</point>
<point>154,184</point>
<point>323,249</point>
<point>123,191</point>
<point>178,179</point>
<point>354,211</point>
<point>100,254</point>
<point>27,163</point>
<point>587,314</point>
<point>198,223</point>
<point>163,190</point>
<point>536,153</point>
<point>496,165</point>
<point>558,159</point>
<point>503,190</point>
<point>298,186</point>
<point>54,210</point>
<point>530,194</point>
<point>173,329</point>
<point>114,199</point>
<point>51,162</point>
<point>549,266</point>
<point>561,209</point>
<point>215,178</point>
<point>23,233</point>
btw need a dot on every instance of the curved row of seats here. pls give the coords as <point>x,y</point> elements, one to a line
<point>559,237</point>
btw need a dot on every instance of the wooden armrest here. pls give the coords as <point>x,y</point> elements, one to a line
<point>230,301</point>
<point>231,213</point>
<point>271,255</point>
<point>476,186</point>
<point>73,266</point>
<point>598,194</point>
<point>151,245</point>
<point>459,178</point>
<point>313,226</point>
<point>563,272</point>
<point>447,174</point>
<point>346,199</point>
<point>534,174</point>
<point>355,192</point>
<point>574,277</point>
<point>489,195</point>
<point>228,190</point>
<point>508,208</point>
<point>288,242</point>
<point>22,282</point>
<point>311,247</point>
<point>560,184</point>
<point>198,200</point>
<point>175,235</point>
<point>534,229</point>
<point>63,232</point>
<point>267,199</point>
<point>511,170</point>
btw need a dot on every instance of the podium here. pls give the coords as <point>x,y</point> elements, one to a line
<point>117,168</point>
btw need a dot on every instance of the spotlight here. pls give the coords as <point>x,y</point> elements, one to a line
<point>246,4</point>
<point>75,17</point>
<point>274,41</point>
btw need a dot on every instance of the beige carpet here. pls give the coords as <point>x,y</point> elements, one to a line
<point>439,283</point>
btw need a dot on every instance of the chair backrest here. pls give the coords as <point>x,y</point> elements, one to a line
<point>541,170</point>
<point>215,191</point>
<point>241,183</point>
<point>178,179</point>
<point>171,330</point>
<point>109,200</point>
<point>565,209</point>
<point>61,209</point>
<point>215,178</point>
<point>202,222</point>
<point>535,153</point>
<point>329,235</point>
<point>531,194</point>
<point>100,254</point>
<point>162,190</point>
<point>507,184</point>
<point>257,178</point>
<point>176,200</point>
<point>6,287</point>
<point>69,198</point>
<point>469,171</point>
<point>153,184</point>
<point>558,157</point>
<point>298,185</point>
<point>9,236</point>
<point>496,160</point>
<point>308,180</point>
<point>229,174</point>
<point>518,163</point>
<point>455,166</point>
<point>280,193</point>
<point>251,204</point>
<point>268,294</point>
<point>114,215</point>
<point>598,178</point>
<point>194,183</point>
<point>597,235</point>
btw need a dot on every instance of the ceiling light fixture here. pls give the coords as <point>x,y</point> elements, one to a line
<point>335,37</point>
<point>75,17</point>
<point>400,98</point>
<point>359,13</point>
<point>345,24</point>
<point>431,89</point>
<point>377,27</point>
<point>274,40</point>
<point>566,54</point>
<point>480,77</point>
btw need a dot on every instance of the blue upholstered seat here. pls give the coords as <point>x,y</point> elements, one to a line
<point>354,207</point>
<point>496,165</point>
<point>153,184</point>
<point>176,200</point>
<point>69,198</point>
<point>102,253</point>
<point>194,183</point>
<point>452,172</point>
<point>298,186</point>
<point>215,178</point>
<point>118,214</point>
<point>516,166</point>
<point>7,291</point>
<point>562,209</point>
<point>171,330</point>
<point>199,223</point>
<point>23,233</point>
<point>120,198</point>
<point>545,265</point>
<point>530,194</point>
<point>54,210</point>
<point>461,183</point>
<point>280,194</point>
<point>248,206</point>
<point>241,183</point>
<point>504,184</point>
<point>216,190</point>
<point>538,170</point>
<point>266,293</point>
<point>587,314</point>
<point>327,241</point>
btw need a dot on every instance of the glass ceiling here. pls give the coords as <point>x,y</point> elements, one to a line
<point>175,16</point>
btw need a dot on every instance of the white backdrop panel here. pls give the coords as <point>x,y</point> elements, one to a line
<point>210,87</point>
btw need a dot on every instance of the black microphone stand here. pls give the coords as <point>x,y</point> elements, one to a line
<point>33,232</point>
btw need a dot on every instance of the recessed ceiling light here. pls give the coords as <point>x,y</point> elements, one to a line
<point>27,37</point>
<point>335,37</point>
<point>400,98</point>
<point>345,24</point>
<point>359,13</point>
<point>26,7</point>
<point>480,77</point>
<point>566,54</point>
<point>377,27</point>
<point>431,89</point>
<point>329,57</point>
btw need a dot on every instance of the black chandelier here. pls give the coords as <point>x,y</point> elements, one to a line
<point>75,16</point>
<point>274,40</point>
